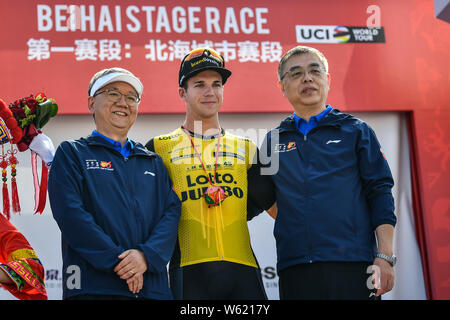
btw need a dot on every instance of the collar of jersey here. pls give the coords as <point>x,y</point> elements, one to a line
<point>200,136</point>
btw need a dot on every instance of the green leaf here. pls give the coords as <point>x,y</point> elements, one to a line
<point>54,110</point>
<point>44,112</point>
<point>27,110</point>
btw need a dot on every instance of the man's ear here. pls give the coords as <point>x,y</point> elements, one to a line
<point>91,104</point>
<point>182,92</point>
<point>329,80</point>
<point>281,86</point>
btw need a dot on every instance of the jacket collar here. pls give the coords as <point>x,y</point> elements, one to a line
<point>138,149</point>
<point>333,119</point>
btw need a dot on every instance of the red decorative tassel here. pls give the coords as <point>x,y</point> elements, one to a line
<point>15,195</point>
<point>6,201</point>
<point>4,165</point>
<point>42,189</point>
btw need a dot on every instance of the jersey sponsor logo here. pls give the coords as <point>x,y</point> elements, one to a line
<point>199,184</point>
<point>230,154</point>
<point>150,173</point>
<point>204,179</point>
<point>333,141</point>
<point>184,156</point>
<point>225,165</point>
<point>169,136</point>
<point>222,154</point>
<point>197,193</point>
<point>92,164</point>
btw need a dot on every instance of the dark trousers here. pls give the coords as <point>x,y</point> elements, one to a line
<point>326,281</point>
<point>217,280</point>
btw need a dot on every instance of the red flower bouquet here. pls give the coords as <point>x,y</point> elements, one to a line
<point>22,122</point>
<point>31,114</point>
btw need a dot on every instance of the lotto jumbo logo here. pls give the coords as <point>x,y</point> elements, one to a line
<point>339,34</point>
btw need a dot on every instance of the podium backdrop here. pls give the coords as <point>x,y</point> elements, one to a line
<point>44,235</point>
<point>384,56</point>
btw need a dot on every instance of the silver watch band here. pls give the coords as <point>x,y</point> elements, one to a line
<point>391,259</point>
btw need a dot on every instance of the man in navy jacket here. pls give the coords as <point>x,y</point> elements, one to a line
<point>113,201</point>
<point>332,185</point>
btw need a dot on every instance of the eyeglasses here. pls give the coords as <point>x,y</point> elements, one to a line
<point>298,73</point>
<point>207,51</point>
<point>114,95</point>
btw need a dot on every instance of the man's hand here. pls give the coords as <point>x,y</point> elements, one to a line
<point>383,276</point>
<point>132,268</point>
<point>135,283</point>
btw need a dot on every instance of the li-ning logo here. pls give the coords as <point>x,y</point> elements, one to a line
<point>333,141</point>
<point>282,147</point>
<point>100,165</point>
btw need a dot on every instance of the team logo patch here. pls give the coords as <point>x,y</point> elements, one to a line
<point>105,164</point>
<point>92,164</point>
<point>283,147</point>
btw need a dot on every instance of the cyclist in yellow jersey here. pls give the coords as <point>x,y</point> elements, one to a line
<point>213,258</point>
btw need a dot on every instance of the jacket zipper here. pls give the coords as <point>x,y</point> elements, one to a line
<point>307,205</point>
<point>132,205</point>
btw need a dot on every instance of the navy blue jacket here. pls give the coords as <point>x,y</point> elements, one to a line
<point>105,204</point>
<point>332,187</point>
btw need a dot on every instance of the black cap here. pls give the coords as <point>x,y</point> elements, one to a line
<point>199,60</point>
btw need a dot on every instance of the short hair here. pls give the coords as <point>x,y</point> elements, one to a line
<point>103,72</point>
<point>298,51</point>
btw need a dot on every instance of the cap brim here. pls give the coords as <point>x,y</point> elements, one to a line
<point>225,73</point>
<point>115,77</point>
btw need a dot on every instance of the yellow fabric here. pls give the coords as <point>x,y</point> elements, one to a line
<point>215,233</point>
<point>23,254</point>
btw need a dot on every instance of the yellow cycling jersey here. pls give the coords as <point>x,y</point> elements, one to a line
<point>210,233</point>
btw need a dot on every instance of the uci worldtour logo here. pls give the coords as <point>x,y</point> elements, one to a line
<point>339,34</point>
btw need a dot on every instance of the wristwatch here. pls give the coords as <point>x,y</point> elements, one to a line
<point>391,259</point>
